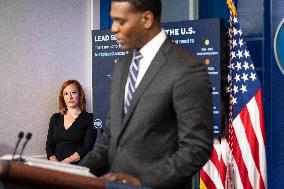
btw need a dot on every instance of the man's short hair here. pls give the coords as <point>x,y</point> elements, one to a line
<point>154,6</point>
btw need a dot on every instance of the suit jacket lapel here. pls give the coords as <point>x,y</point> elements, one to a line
<point>156,64</point>
<point>119,87</point>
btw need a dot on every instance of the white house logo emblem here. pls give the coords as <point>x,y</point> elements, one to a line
<point>98,123</point>
<point>279,46</point>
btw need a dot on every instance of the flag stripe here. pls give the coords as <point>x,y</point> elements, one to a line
<point>219,164</point>
<point>204,177</point>
<point>212,170</point>
<point>250,130</point>
<point>238,182</point>
<point>258,99</point>
<point>253,173</point>
<point>201,184</point>
<point>255,116</point>
<point>215,169</point>
<point>243,171</point>
<point>250,134</point>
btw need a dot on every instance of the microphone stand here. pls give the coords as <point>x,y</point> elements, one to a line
<point>20,136</point>
<point>28,137</point>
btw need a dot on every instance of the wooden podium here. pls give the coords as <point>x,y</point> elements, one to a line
<point>18,173</point>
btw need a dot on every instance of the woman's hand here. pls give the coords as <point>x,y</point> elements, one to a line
<point>53,158</point>
<point>73,158</point>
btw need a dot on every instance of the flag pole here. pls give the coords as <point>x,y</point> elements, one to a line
<point>230,182</point>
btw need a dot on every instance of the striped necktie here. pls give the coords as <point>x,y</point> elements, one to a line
<point>132,77</point>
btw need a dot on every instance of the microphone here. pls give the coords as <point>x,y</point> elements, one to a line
<point>28,137</point>
<point>20,136</point>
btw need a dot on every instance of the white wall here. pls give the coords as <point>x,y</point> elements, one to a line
<point>42,44</point>
<point>96,14</point>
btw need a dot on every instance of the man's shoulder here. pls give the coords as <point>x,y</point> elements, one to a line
<point>180,55</point>
<point>173,49</point>
<point>182,51</point>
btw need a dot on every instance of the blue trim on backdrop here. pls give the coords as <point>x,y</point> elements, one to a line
<point>236,3</point>
<point>276,104</point>
<point>105,19</point>
<point>213,9</point>
<point>267,53</point>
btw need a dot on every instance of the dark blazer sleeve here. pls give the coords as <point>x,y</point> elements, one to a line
<point>97,159</point>
<point>50,144</point>
<point>90,136</point>
<point>192,102</point>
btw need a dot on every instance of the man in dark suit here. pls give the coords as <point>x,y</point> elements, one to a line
<point>160,124</point>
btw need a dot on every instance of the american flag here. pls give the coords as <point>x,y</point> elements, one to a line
<point>239,160</point>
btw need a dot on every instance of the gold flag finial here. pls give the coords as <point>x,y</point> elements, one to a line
<point>232,7</point>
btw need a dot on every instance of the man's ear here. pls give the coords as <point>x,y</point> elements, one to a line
<point>147,19</point>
